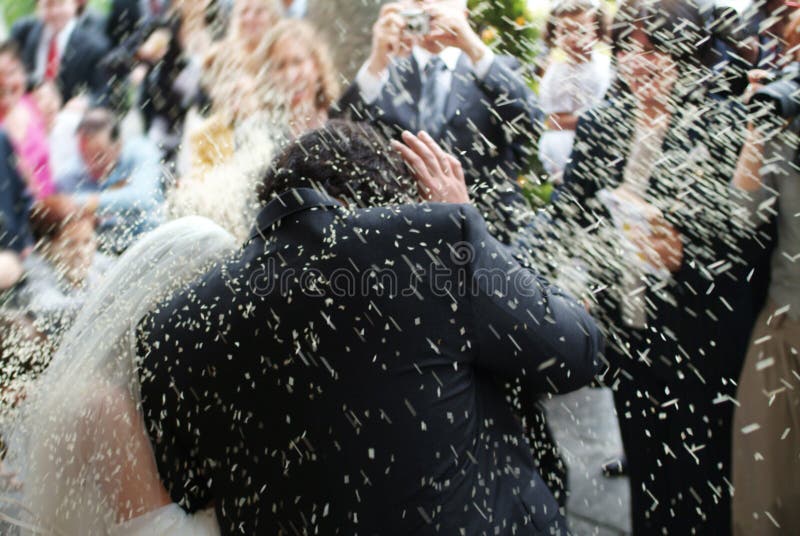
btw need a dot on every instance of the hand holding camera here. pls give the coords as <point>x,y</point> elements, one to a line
<point>388,38</point>
<point>449,27</point>
<point>431,25</point>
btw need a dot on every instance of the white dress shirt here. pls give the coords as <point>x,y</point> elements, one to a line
<point>297,10</point>
<point>371,85</point>
<point>44,46</point>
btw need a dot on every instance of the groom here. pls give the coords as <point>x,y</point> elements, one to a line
<point>343,372</point>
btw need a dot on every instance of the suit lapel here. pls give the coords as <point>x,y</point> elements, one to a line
<point>32,48</point>
<point>67,66</point>
<point>404,92</point>
<point>288,203</point>
<point>463,81</point>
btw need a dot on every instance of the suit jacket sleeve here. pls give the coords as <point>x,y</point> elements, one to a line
<point>99,79</point>
<point>352,106</point>
<point>20,30</point>
<point>704,217</point>
<point>121,21</point>
<point>590,160</point>
<point>526,329</point>
<point>15,202</point>
<point>169,407</point>
<point>515,103</point>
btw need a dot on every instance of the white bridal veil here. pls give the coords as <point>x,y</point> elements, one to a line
<point>70,437</point>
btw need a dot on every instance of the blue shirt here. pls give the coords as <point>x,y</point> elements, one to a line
<point>130,199</point>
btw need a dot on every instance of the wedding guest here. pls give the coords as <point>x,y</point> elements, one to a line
<point>90,18</point>
<point>766,448</point>
<point>254,116</point>
<point>61,121</point>
<point>15,202</point>
<point>56,49</point>
<point>574,83</point>
<point>125,17</point>
<point>119,183</point>
<point>162,58</point>
<point>646,206</point>
<point>24,123</point>
<point>767,21</point>
<point>450,84</point>
<point>300,75</point>
<point>241,50</point>
<point>66,269</point>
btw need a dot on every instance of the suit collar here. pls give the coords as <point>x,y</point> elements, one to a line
<point>450,57</point>
<point>288,203</point>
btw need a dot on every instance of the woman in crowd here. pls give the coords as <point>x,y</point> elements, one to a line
<point>301,76</point>
<point>67,267</point>
<point>163,57</point>
<point>22,120</point>
<point>241,50</point>
<point>645,203</point>
<point>766,445</point>
<point>232,69</point>
<point>574,82</point>
<point>253,115</point>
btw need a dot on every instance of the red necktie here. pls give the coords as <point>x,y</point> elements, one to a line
<point>51,71</point>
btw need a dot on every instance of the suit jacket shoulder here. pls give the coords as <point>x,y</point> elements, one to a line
<point>22,28</point>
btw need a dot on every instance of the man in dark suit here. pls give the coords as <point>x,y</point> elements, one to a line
<point>89,18</point>
<point>56,48</point>
<point>342,373</point>
<point>447,82</point>
<point>15,202</point>
<point>125,17</point>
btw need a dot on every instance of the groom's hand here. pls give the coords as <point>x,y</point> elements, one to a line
<point>440,177</point>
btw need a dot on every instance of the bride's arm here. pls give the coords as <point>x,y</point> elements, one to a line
<point>116,443</point>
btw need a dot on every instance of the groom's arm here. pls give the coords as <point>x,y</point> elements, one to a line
<point>526,328</point>
<point>169,409</point>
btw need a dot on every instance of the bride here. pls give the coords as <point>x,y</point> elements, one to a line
<point>78,441</point>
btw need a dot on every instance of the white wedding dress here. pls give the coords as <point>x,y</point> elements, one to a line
<point>69,438</point>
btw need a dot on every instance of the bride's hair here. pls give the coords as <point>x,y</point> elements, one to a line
<point>59,440</point>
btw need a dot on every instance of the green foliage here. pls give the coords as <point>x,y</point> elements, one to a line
<point>508,26</point>
<point>14,9</point>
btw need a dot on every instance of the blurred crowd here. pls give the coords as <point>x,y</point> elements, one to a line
<point>667,128</point>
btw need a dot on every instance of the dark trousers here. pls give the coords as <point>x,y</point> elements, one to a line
<point>677,442</point>
<point>552,468</point>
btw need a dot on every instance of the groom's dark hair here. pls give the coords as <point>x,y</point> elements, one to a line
<point>349,161</point>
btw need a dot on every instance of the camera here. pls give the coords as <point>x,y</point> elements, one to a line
<point>418,21</point>
<point>783,95</point>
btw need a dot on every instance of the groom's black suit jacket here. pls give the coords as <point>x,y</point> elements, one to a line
<point>340,375</point>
